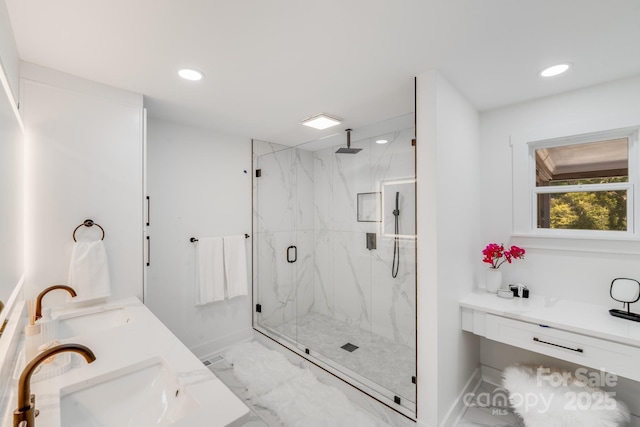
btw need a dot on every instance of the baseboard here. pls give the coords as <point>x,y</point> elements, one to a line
<point>457,409</point>
<point>491,375</point>
<point>210,348</point>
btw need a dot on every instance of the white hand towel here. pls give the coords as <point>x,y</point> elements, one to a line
<point>89,270</point>
<point>235,265</point>
<point>209,270</point>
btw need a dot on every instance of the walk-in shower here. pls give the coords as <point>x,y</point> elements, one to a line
<point>328,278</point>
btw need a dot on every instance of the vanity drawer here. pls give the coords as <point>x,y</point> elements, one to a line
<point>593,352</point>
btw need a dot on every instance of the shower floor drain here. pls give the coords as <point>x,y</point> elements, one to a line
<point>349,347</point>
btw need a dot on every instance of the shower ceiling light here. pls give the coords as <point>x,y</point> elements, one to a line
<point>321,121</point>
<point>189,74</point>
<point>554,70</point>
<point>381,141</point>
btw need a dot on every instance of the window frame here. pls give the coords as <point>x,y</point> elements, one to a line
<point>632,163</point>
<point>525,192</point>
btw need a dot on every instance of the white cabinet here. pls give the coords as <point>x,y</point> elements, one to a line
<point>580,333</point>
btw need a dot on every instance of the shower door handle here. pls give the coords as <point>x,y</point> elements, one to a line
<point>295,254</point>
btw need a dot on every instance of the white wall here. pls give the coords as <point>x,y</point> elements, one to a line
<point>198,187</point>
<point>448,244</point>
<point>11,163</point>
<point>12,195</point>
<point>84,150</point>
<point>582,276</point>
<point>9,60</point>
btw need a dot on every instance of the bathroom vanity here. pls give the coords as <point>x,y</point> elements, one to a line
<point>581,333</point>
<point>142,375</point>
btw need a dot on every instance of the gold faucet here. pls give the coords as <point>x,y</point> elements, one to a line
<point>46,291</point>
<point>26,413</point>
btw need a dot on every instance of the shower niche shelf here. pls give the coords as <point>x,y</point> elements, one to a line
<point>369,207</point>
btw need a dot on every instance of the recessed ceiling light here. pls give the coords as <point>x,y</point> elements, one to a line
<point>554,70</point>
<point>321,121</point>
<point>189,74</point>
<point>381,141</point>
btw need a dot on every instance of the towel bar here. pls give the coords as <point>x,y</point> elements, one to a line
<point>193,239</point>
<point>87,223</point>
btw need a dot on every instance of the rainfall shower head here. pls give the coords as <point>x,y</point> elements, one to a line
<point>348,150</point>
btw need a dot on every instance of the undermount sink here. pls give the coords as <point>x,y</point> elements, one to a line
<point>81,323</point>
<point>146,394</point>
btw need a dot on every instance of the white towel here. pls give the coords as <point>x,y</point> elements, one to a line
<point>235,265</point>
<point>89,270</point>
<point>209,270</point>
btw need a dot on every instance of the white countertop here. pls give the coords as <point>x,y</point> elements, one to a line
<point>587,319</point>
<point>143,338</point>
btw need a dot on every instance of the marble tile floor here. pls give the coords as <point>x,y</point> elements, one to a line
<point>377,358</point>
<point>258,416</point>
<point>489,407</point>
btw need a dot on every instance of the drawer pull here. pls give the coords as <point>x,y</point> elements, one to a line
<point>578,350</point>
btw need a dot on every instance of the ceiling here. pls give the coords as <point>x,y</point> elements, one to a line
<point>271,63</point>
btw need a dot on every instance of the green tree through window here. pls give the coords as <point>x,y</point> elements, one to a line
<point>597,210</point>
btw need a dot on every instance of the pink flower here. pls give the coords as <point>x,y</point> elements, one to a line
<point>495,254</point>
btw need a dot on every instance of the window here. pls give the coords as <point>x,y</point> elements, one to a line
<point>583,186</point>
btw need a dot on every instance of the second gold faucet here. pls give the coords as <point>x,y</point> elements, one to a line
<point>41,295</point>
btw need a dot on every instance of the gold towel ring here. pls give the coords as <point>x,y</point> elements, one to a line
<point>87,223</point>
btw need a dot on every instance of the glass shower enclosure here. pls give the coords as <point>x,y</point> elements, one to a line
<point>334,275</point>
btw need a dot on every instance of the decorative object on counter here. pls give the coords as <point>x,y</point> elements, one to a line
<point>493,280</point>
<point>559,398</point>
<point>31,333</point>
<point>519,290</point>
<point>496,255</point>
<point>48,329</point>
<point>88,268</point>
<point>505,293</point>
<point>626,291</point>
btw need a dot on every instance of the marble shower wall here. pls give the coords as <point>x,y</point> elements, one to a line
<point>351,283</point>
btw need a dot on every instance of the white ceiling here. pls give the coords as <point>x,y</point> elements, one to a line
<point>271,63</point>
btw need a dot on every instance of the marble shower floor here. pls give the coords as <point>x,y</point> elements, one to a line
<point>377,358</point>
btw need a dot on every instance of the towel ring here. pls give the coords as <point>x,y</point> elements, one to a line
<point>87,223</point>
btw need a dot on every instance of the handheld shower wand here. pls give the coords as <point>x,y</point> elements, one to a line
<point>395,265</point>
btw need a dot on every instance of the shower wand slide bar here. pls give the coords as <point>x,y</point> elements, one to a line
<point>194,239</point>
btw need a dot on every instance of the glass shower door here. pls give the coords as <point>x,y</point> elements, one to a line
<point>275,250</point>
